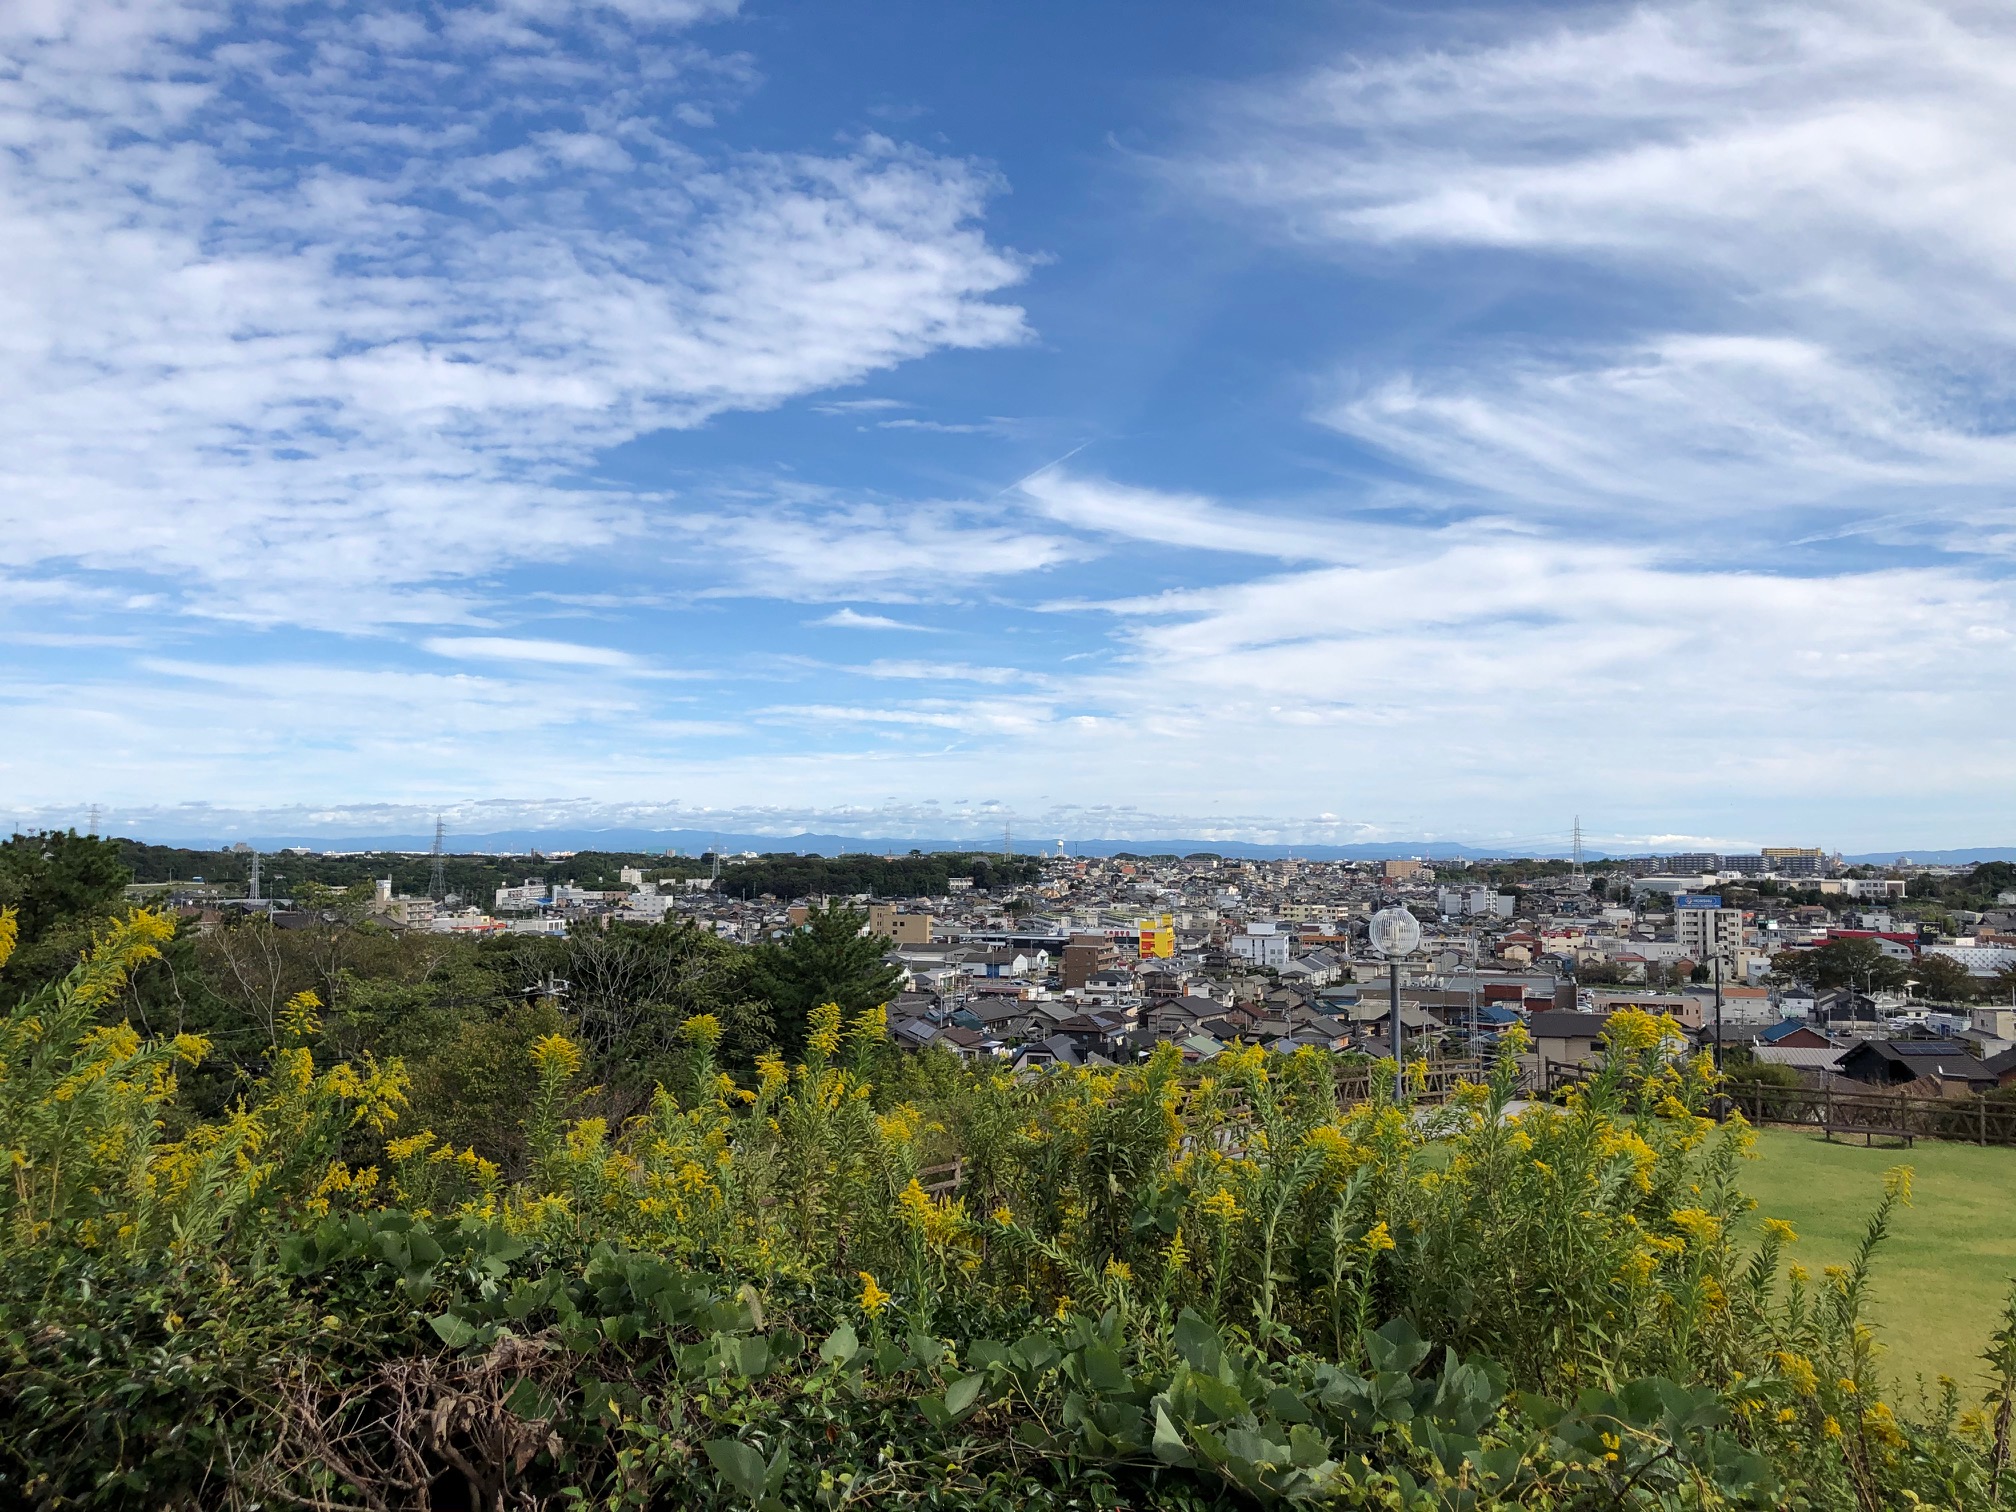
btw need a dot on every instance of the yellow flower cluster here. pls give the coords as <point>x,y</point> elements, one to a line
<point>1699,1225</point>
<point>556,1057</point>
<point>1221,1207</point>
<point>825,1036</point>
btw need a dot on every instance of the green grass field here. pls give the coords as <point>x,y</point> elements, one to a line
<point>1940,1281</point>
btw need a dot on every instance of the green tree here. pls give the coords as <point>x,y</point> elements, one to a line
<point>1857,963</point>
<point>832,959</point>
<point>62,885</point>
<point>1944,980</point>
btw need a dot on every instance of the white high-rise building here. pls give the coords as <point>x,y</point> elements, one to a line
<point>1705,931</point>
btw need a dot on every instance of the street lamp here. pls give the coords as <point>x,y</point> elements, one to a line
<point>1395,932</point>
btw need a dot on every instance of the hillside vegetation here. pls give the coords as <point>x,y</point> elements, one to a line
<point>294,1272</point>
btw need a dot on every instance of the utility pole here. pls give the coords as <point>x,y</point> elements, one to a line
<point>1721,1103</point>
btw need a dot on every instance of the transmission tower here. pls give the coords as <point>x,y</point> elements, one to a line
<point>253,892</point>
<point>437,877</point>
<point>1578,846</point>
<point>94,821</point>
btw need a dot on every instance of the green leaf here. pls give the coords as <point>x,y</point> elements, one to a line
<point>962,1393</point>
<point>456,1333</point>
<point>1397,1347</point>
<point>1168,1443</point>
<point>528,1401</point>
<point>424,1251</point>
<point>1198,1343</point>
<point>741,1466</point>
<point>751,1355</point>
<point>841,1345</point>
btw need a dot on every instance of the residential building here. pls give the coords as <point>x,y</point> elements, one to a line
<point>904,928</point>
<point>1570,1039</point>
<point>1706,932</point>
<point>1995,1019</point>
<point>1262,944</point>
<point>1086,956</point>
<point>1940,1067</point>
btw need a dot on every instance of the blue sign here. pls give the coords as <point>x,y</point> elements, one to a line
<point>1697,900</point>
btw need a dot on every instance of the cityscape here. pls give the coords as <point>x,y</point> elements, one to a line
<point>1074,756</point>
<point>1865,975</point>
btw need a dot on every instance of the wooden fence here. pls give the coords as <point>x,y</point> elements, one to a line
<point>1435,1085</point>
<point>1972,1120</point>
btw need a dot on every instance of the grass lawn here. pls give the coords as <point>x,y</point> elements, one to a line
<point>1940,1280</point>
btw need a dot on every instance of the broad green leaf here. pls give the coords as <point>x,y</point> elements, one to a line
<point>741,1466</point>
<point>841,1345</point>
<point>962,1393</point>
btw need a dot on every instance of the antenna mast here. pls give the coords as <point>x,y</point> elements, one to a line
<point>437,876</point>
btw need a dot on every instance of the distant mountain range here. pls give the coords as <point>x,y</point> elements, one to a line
<point>694,842</point>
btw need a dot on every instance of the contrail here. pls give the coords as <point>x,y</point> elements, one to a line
<point>1044,468</point>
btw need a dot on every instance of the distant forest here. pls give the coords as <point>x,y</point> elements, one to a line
<point>911,876</point>
<point>477,878</point>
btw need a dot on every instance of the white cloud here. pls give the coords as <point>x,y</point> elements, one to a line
<point>539,652</point>
<point>1712,424</point>
<point>923,671</point>
<point>1187,520</point>
<point>824,547</point>
<point>275,386</point>
<point>851,619</point>
<point>1809,206</point>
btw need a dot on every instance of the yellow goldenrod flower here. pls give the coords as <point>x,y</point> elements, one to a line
<point>825,1035</point>
<point>556,1056</point>
<point>873,1297</point>
<point>1222,1207</point>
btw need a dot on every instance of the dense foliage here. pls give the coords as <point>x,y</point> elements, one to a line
<point>916,875</point>
<point>1145,1286</point>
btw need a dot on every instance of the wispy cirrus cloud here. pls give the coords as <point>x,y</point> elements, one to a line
<point>550,653</point>
<point>1802,201</point>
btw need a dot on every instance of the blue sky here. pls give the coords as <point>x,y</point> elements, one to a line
<point>1338,423</point>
